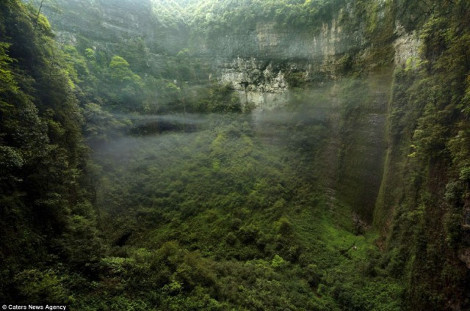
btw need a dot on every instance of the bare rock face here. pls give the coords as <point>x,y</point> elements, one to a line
<point>257,82</point>
<point>269,41</point>
<point>256,63</point>
<point>406,48</point>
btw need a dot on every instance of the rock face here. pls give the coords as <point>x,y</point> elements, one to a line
<point>113,22</point>
<point>406,47</point>
<point>269,41</point>
<point>256,63</point>
<point>257,82</point>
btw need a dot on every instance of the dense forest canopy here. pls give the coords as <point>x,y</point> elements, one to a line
<point>235,155</point>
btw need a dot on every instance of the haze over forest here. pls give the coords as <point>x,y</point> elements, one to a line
<point>235,155</point>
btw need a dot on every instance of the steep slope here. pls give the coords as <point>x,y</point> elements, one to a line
<point>46,216</point>
<point>426,184</point>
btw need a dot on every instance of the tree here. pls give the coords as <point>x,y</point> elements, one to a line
<point>125,87</point>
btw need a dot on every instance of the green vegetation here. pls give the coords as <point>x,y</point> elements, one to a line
<point>218,219</point>
<point>131,178</point>
<point>46,215</point>
<point>224,16</point>
<point>429,127</point>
